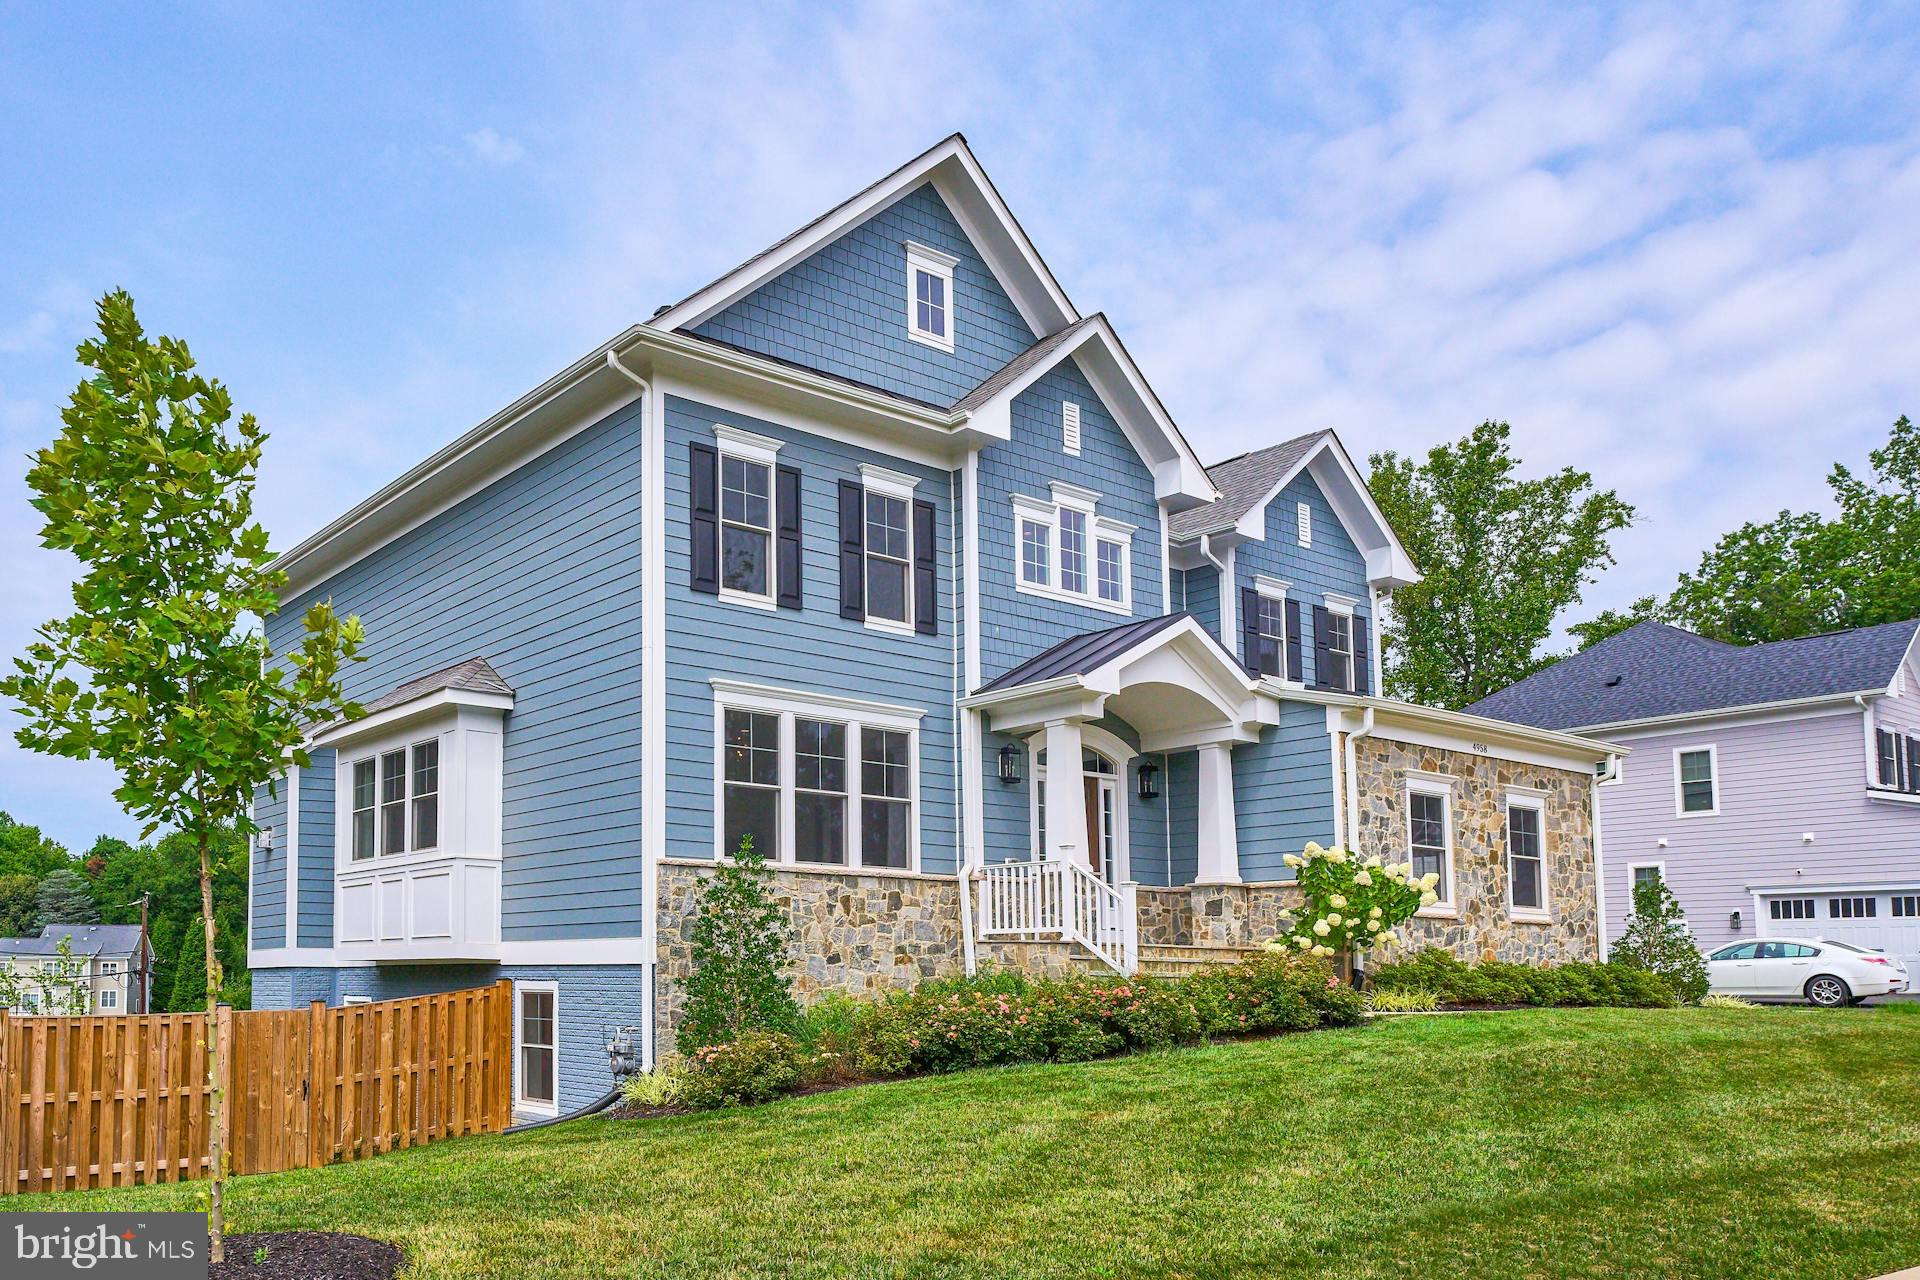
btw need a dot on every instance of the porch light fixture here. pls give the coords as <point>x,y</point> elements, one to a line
<point>1149,781</point>
<point>1009,763</point>
<point>1734,921</point>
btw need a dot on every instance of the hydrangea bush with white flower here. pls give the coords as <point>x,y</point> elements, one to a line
<point>1349,906</point>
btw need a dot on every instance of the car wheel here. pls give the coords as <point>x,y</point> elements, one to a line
<point>1829,992</point>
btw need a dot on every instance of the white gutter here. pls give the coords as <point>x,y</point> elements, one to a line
<point>1228,627</point>
<point>1351,788</point>
<point>652,629</point>
<point>1718,713</point>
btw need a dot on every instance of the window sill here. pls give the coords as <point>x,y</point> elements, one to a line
<point>1437,912</point>
<point>1530,917</point>
<point>890,626</point>
<point>749,600</point>
<point>1121,607</point>
<point>929,340</point>
<point>1889,796</point>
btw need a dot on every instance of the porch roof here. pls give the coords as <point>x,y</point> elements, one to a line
<point>1078,655</point>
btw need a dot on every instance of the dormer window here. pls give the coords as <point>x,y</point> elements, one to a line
<point>930,296</point>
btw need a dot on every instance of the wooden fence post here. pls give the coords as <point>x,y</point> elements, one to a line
<point>9,1108</point>
<point>501,1050</point>
<point>319,1086</point>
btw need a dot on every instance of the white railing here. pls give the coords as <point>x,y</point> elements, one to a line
<point>1064,900</point>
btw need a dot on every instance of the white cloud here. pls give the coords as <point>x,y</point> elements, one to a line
<point>489,146</point>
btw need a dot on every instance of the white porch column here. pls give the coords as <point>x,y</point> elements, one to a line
<point>1066,794</point>
<point>1219,861</point>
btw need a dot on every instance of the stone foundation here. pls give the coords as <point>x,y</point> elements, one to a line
<point>860,934</point>
<point>1214,915</point>
<point>1482,928</point>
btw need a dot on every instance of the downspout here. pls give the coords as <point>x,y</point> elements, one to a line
<point>1351,783</point>
<point>649,628</point>
<point>1599,857</point>
<point>1225,589</point>
<point>963,727</point>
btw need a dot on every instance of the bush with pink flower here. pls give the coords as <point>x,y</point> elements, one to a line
<point>1349,906</point>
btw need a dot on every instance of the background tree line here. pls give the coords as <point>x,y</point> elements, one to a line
<point>42,882</point>
<point>1506,557</point>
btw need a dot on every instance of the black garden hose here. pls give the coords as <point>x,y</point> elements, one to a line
<point>599,1104</point>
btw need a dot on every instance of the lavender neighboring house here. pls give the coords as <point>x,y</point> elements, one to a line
<point>1774,787</point>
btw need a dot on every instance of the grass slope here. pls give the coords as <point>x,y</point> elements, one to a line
<point>1602,1143</point>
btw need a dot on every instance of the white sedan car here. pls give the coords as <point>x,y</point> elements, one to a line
<point>1830,974</point>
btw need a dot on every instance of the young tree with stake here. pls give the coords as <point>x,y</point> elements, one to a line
<point>158,669</point>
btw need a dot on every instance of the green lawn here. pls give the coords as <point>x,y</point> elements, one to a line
<point>1706,1143</point>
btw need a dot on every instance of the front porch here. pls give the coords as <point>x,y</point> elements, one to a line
<point>1137,855</point>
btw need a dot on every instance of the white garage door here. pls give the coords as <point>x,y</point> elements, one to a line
<point>1885,920</point>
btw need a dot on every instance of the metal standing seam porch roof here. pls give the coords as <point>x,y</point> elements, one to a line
<point>1080,654</point>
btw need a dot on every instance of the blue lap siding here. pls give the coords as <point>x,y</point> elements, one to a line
<point>268,908</point>
<point>1283,791</point>
<point>807,650</point>
<point>539,573</point>
<point>315,912</point>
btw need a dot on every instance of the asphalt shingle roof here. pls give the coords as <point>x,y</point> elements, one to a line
<point>1012,369</point>
<point>1083,653</point>
<point>1653,669</point>
<point>475,675</point>
<point>87,940</point>
<point>1242,482</point>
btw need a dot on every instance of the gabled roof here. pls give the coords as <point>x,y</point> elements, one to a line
<point>83,939</point>
<point>1016,369</point>
<point>950,165</point>
<point>1652,671</point>
<point>1077,655</point>
<point>1244,483</point>
<point>475,675</point>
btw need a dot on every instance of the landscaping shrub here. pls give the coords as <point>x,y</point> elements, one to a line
<point>740,942</point>
<point>1347,907</point>
<point>1726,1002</point>
<point>1498,982</point>
<point>1656,939</point>
<point>1405,1000</point>
<point>758,1067</point>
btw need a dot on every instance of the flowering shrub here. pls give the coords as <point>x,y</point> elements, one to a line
<point>1001,1017</point>
<point>1499,982</point>
<point>1349,906</point>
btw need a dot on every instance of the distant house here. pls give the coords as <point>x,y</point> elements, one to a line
<point>116,960</point>
<point>1774,787</point>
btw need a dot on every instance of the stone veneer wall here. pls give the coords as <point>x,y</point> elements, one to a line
<point>860,933</point>
<point>1483,930</point>
<point>1214,915</point>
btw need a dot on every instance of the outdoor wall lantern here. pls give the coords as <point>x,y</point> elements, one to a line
<point>1009,763</point>
<point>1733,921</point>
<point>1149,781</point>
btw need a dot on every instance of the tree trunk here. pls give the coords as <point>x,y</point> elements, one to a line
<point>216,1149</point>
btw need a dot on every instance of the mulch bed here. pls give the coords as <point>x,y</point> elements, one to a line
<point>307,1255</point>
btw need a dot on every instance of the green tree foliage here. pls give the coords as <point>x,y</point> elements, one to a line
<point>1657,940</point>
<point>65,899</point>
<point>1502,556</point>
<point>158,669</point>
<point>740,943</point>
<point>25,852</point>
<point>1801,574</point>
<point>188,994</point>
<point>19,906</point>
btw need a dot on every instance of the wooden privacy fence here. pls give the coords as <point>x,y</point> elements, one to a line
<point>114,1101</point>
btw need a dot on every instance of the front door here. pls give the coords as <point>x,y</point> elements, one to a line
<point>1096,847</point>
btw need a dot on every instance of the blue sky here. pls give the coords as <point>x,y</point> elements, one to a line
<point>1677,246</point>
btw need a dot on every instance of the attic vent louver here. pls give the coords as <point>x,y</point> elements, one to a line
<point>1070,426</point>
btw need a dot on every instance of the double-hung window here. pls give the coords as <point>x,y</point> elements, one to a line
<point>1696,782</point>
<point>537,1033</point>
<point>1430,837</point>
<point>817,780</point>
<point>751,751</point>
<point>1066,550</point>
<point>1338,650</point>
<point>1270,623</point>
<point>930,311</point>
<point>1899,761</point>
<point>109,999</point>
<point>1526,856</point>
<point>395,801</point>
<point>746,527</point>
<point>889,559</point>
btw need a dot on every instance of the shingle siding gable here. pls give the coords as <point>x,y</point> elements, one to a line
<point>842,310</point>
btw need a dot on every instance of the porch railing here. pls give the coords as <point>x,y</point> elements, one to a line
<point>1062,899</point>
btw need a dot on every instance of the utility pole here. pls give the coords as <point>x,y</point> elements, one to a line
<point>144,950</point>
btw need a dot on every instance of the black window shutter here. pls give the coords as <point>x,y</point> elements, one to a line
<point>926,587</point>
<point>1322,660</point>
<point>853,543</point>
<point>1250,630</point>
<point>1362,656</point>
<point>786,504</point>
<point>703,506</point>
<point>1293,640</point>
